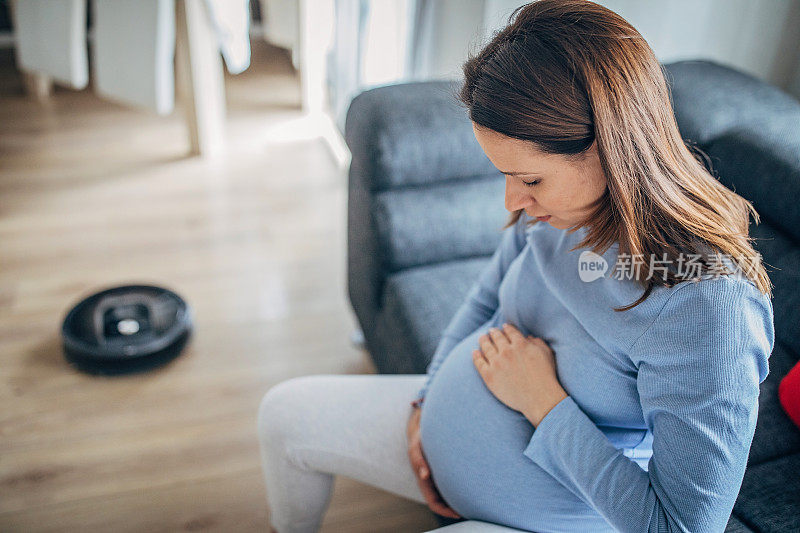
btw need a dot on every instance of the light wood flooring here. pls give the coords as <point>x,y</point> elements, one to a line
<point>93,194</point>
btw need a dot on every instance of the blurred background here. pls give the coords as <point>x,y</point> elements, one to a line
<point>198,145</point>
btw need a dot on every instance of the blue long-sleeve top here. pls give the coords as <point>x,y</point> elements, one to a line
<point>662,399</point>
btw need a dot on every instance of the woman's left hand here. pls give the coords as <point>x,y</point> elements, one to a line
<point>520,371</point>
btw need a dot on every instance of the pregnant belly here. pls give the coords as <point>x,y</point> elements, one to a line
<point>473,444</point>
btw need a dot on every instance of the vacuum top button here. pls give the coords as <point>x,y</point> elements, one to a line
<point>128,326</point>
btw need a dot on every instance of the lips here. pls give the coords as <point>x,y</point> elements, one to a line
<point>544,219</point>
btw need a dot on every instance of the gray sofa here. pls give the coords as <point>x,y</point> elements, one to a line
<point>426,207</point>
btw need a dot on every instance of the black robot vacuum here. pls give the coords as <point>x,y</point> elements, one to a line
<point>126,329</point>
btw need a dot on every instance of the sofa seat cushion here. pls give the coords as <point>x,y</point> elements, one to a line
<point>736,526</point>
<point>775,434</point>
<point>417,306</point>
<point>769,499</point>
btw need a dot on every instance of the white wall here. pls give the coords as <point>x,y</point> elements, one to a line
<point>761,37</point>
<point>457,25</point>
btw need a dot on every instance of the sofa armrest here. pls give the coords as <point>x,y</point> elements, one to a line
<point>412,134</point>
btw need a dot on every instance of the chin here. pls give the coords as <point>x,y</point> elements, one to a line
<point>556,223</point>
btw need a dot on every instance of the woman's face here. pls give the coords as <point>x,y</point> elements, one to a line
<point>564,189</point>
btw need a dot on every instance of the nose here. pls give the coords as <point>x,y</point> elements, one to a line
<point>517,197</point>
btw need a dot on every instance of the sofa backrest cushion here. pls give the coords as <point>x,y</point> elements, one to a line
<point>414,134</point>
<point>425,225</point>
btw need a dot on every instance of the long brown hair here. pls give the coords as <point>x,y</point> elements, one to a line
<point>564,73</point>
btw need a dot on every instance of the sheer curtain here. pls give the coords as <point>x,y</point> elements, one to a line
<point>380,42</point>
<point>371,46</point>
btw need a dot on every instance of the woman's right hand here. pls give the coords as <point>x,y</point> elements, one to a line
<point>421,469</point>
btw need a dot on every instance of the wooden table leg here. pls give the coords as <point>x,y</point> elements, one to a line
<point>36,84</point>
<point>199,78</point>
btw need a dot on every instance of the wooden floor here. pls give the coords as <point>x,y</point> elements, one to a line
<point>94,194</point>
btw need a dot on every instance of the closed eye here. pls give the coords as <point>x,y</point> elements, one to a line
<point>531,184</point>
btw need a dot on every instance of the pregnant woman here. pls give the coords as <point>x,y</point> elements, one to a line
<point>603,372</point>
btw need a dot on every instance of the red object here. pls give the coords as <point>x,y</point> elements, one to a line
<point>789,394</point>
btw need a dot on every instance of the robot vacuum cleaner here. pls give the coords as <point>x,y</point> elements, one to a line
<point>126,329</point>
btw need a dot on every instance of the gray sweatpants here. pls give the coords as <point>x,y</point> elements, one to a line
<point>312,428</point>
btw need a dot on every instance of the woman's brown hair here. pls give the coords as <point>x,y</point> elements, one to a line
<point>565,73</point>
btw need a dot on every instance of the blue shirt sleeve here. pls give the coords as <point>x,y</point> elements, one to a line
<point>699,368</point>
<point>482,299</point>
